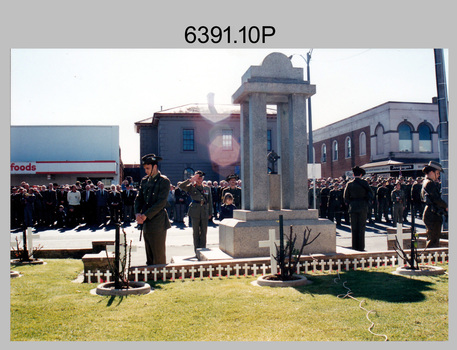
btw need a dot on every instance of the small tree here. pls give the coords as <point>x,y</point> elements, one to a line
<point>22,253</point>
<point>288,256</point>
<point>120,268</point>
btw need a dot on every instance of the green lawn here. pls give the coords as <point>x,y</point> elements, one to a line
<point>46,305</point>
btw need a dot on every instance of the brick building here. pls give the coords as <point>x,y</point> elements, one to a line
<point>198,137</point>
<point>389,139</point>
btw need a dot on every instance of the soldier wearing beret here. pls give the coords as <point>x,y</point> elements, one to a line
<point>150,204</point>
<point>435,207</point>
<point>201,208</point>
<point>233,189</point>
<point>358,194</point>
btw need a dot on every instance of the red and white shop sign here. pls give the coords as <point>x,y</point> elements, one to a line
<point>23,168</point>
<point>64,167</point>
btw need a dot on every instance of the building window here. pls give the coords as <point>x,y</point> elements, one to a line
<point>405,138</point>
<point>348,144</point>
<point>269,142</point>
<point>188,143</point>
<point>188,173</point>
<point>323,153</point>
<point>379,139</point>
<point>227,137</point>
<point>362,144</point>
<point>335,150</point>
<point>425,138</point>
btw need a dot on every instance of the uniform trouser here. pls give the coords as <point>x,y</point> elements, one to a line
<point>199,228</point>
<point>397,214</point>
<point>154,243</point>
<point>358,222</point>
<point>180,212</point>
<point>433,225</point>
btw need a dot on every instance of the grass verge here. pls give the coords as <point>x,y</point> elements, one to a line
<point>46,305</point>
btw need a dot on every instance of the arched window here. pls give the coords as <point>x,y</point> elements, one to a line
<point>362,143</point>
<point>405,137</point>
<point>188,173</point>
<point>425,138</point>
<point>379,139</point>
<point>348,144</point>
<point>323,153</point>
<point>335,150</point>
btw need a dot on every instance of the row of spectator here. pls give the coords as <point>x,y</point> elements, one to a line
<point>92,204</point>
<point>393,199</point>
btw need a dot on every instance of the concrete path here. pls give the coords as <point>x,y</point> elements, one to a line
<point>179,238</point>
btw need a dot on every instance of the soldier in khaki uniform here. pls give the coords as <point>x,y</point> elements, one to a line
<point>358,194</point>
<point>201,208</point>
<point>233,189</point>
<point>150,204</point>
<point>435,207</point>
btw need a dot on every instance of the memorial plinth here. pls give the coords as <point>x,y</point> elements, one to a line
<point>239,237</point>
<point>267,196</point>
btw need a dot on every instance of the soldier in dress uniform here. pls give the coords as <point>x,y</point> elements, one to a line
<point>358,194</point>
<point>200,209</point>
<point>435,207</point>
<point>398,200</point>
<point>233,189</point>
<point>150,204</point>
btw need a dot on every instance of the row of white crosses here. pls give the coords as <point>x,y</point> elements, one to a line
<point>243,270</point>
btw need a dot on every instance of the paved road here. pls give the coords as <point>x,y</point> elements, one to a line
<point>179,238</point>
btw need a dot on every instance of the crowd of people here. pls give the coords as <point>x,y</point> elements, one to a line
<point>93,204</point>
<point>392,199</point>
<point>156,203</point>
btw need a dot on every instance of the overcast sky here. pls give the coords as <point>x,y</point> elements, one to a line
<point>123,86</point>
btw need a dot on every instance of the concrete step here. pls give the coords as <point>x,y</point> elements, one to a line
<point>210,254</point>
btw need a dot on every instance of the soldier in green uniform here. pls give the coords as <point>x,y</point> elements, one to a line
<point>358,194</point>
<point>398,200</point>
<point>233,189</point>
<point>150,204</point>
<point>435,207</point>
<point>201,208</point>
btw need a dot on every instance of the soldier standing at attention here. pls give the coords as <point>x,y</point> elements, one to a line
<point>201,208</point>
<point>150,204</point>
<point>435,207</point>
<point>358,194</point>
<point>233,189</point>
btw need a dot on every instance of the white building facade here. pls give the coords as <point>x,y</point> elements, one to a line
<point>64,154</point>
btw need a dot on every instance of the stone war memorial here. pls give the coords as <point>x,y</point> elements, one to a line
<point>285,191</point>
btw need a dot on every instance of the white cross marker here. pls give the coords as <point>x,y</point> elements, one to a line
<point>219,269</point>
<point>201,270</point>
<point>145,274</point>
<point>210,269</point>
<point>378,261</point>
<point>136,272</point>
<point>363,261</point>
<point>155,272</point>
<point>98,274</point>
<point>164,274</point>
<point>330,265</point>
<point>173,273</point>
<point>30,237</point>
<point>370,262</point>
<point>108,275</point>
<point>89,275</point>
<point>271,244</point>
<point>246,269</point>
<point>183,273</point>
<point>237,270</point>
<point>192,271</point>
<point>228,269</point>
